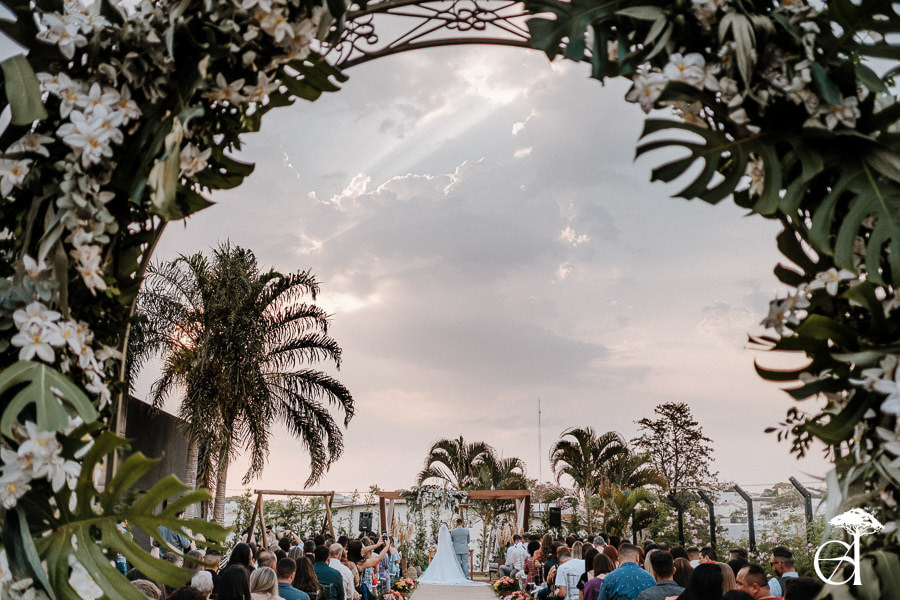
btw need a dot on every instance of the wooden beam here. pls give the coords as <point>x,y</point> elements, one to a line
<point>391,495</point>
<point>498,494</point>
<point>293,493</point>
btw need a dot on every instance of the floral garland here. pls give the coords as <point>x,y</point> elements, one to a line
<point>779,107</point>
<point>418,497</point>
<point>123,119</point>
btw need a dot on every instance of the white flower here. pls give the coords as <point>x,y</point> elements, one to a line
<point>60,471</point>
<point>12,174</point>
<point>72,335</point>
<point>845,113</point>
<point>226,92</point>
<point>264,5</point>
<point>757,173</point>
<point>105,97</point>
<point>62,31</point>
<point>645,89</point>
<point>127,107</point>
<point>89,138</point>
<point>275,23</point>
<point>780,315</point>
<point>81,581</point>
<point>33,268</point>
<point>13,486</point>
<point>5,573</point>
<point>689,68</point>
<point>193,160</point>
<point>38,450</point>
<point>260,92</point>
<point>830,280</point>
<point>86,358</point>
<point>32,142</point>
<point>99,388</point>
<point>34,341</point>
<point>885,368</point>
<point>34,313</point>
<point>107,353</point>
<point>90,267</point>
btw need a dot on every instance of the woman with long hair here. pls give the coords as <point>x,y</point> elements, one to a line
<point>612,554</point>
<point>728,580</point>
<point>589,553</point>
<point>364,560</point>
<point>683,570</point>
<point>602,565</point>
<point>305,578</point>
<point>576,549</point>
<point>705,583</point>
<point>546,550</point>
<point>264,584</point>
<point>235,584</point>
<point>242,556</point>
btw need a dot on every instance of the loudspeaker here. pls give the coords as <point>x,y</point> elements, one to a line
<point>365,521</point>
<point>555,516</point>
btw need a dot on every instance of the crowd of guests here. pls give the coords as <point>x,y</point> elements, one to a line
<point>282,567</point>
<point>574,569</point>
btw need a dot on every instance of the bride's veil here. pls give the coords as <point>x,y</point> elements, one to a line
<point>444,568</point>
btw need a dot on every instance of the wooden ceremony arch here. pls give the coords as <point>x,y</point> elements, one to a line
<point>327,525</point>
<point>387,500</point>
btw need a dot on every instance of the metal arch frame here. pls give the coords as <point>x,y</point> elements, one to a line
<point>467,20</point>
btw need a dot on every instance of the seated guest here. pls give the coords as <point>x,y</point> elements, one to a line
<point>664,572</point>
<point>186,592</point>
<point>801,588</point>
<point>285,570</point>
<point>305,578</point>
<point>683,571</point>
<point>752,579</point>
<point>782,562</point>
<point>331,581</point>
<point>241,555</point>
<point>264,584</point>
<point>235,583</point>
<point>265,559</point>
<point>602,567</point>
<point>705,583</point>
<point>568,572</point>
<point>629,579</point>
<point>203,582</point>
<point>148,588</point>
<point>694,556</point>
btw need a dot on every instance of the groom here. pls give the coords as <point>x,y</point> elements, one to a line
<point>460,537</point>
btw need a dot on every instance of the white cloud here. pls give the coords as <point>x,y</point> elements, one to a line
<point>523,152</point>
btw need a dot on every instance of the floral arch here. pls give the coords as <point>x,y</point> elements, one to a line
<point>122,119</point>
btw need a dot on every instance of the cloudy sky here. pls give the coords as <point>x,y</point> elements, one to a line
<point>484,239</point>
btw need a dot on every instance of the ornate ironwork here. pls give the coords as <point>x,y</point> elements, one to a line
<point>404,25</point>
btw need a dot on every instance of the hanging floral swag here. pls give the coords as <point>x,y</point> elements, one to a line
<point>419,497</point>
<point>123,118</point>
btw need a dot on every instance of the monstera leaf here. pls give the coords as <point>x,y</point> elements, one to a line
<point>85,527</point>
<point>48,390</point>
<point>859,193</point>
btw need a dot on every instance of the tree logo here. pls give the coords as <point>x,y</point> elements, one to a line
<point>857,523</point>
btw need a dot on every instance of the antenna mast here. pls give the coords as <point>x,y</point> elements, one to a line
<point>540,452</point>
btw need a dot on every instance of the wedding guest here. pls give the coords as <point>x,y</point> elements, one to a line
<point>613,555</point>
<point>186,592</point>
<point>531,566</point>
<point>203,581</point>
<point>629,579</point>
<point>737,595</point>
<point>285,570</point>
<point>728,580</point>
<point>546,550</point>
<point>801,588</point>
<point>705,583</point>
<point>241,555</point>
<point>305,578</point>
<point>752,579</point>
<point>664,573</point>
<point>782,562</point>
<point>363,558</point>
<point>648,566</point>
<point>331,581</point>
<point>679,552</point>
<point>264,584</point>
<point>265,559</point>
<point>577,549</point>
<point>335,552</point>
<point>683,571</point>
<point>602,567</point>
<point>148,588</point>
<point>235,584</point>
<point>568,572</point>
<point>589,553</point>
<point>708,555</point>
<point>694,556</point>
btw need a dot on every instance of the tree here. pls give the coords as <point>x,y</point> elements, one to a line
<point>581,458</point>
<point>237,342</point>
<point>455,462</point>
<point>628,500</point>
<point>677,446</point>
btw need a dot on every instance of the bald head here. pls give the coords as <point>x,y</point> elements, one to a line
<point>335,550</point>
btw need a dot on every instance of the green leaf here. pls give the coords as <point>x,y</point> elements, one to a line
<point>827,88</point>
<point>23,91</point>
<point>822,328</point>
<point>641,13</point>
<point>840,427</point>
<point>20,550</point>
<point>744,36</point>
<point>40,382</point>
<point>870,79</point>
<point>97,536</point>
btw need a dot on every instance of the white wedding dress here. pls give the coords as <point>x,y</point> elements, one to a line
<point>444,568</point>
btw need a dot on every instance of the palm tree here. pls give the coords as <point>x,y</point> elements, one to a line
<point>582,459</point>
<point>630,478</point>
<point>237,342</point>
<point>454,462</point>
<point>496,473</point>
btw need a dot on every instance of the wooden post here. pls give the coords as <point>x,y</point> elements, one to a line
<point>262,525</point>
<point>328,500</point>
<point>256,509</point>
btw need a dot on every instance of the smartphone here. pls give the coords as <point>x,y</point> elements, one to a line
<point>384,534</point>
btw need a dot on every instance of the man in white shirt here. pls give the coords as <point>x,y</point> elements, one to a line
<point>568,573</point>
<point>335,551</point>
<point>515,558</point>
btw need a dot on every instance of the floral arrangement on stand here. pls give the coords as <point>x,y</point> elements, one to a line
<point>404,586</point>
<point>393,595</point>
<point>515,595</point>
<point>504,586</point>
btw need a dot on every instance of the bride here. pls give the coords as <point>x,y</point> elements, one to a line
<point>444,568</point>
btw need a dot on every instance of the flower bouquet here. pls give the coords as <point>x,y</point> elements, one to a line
<point>404,585</point>
<point>504,586</point>
<point>392,595</point>
<point>516,595</point>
